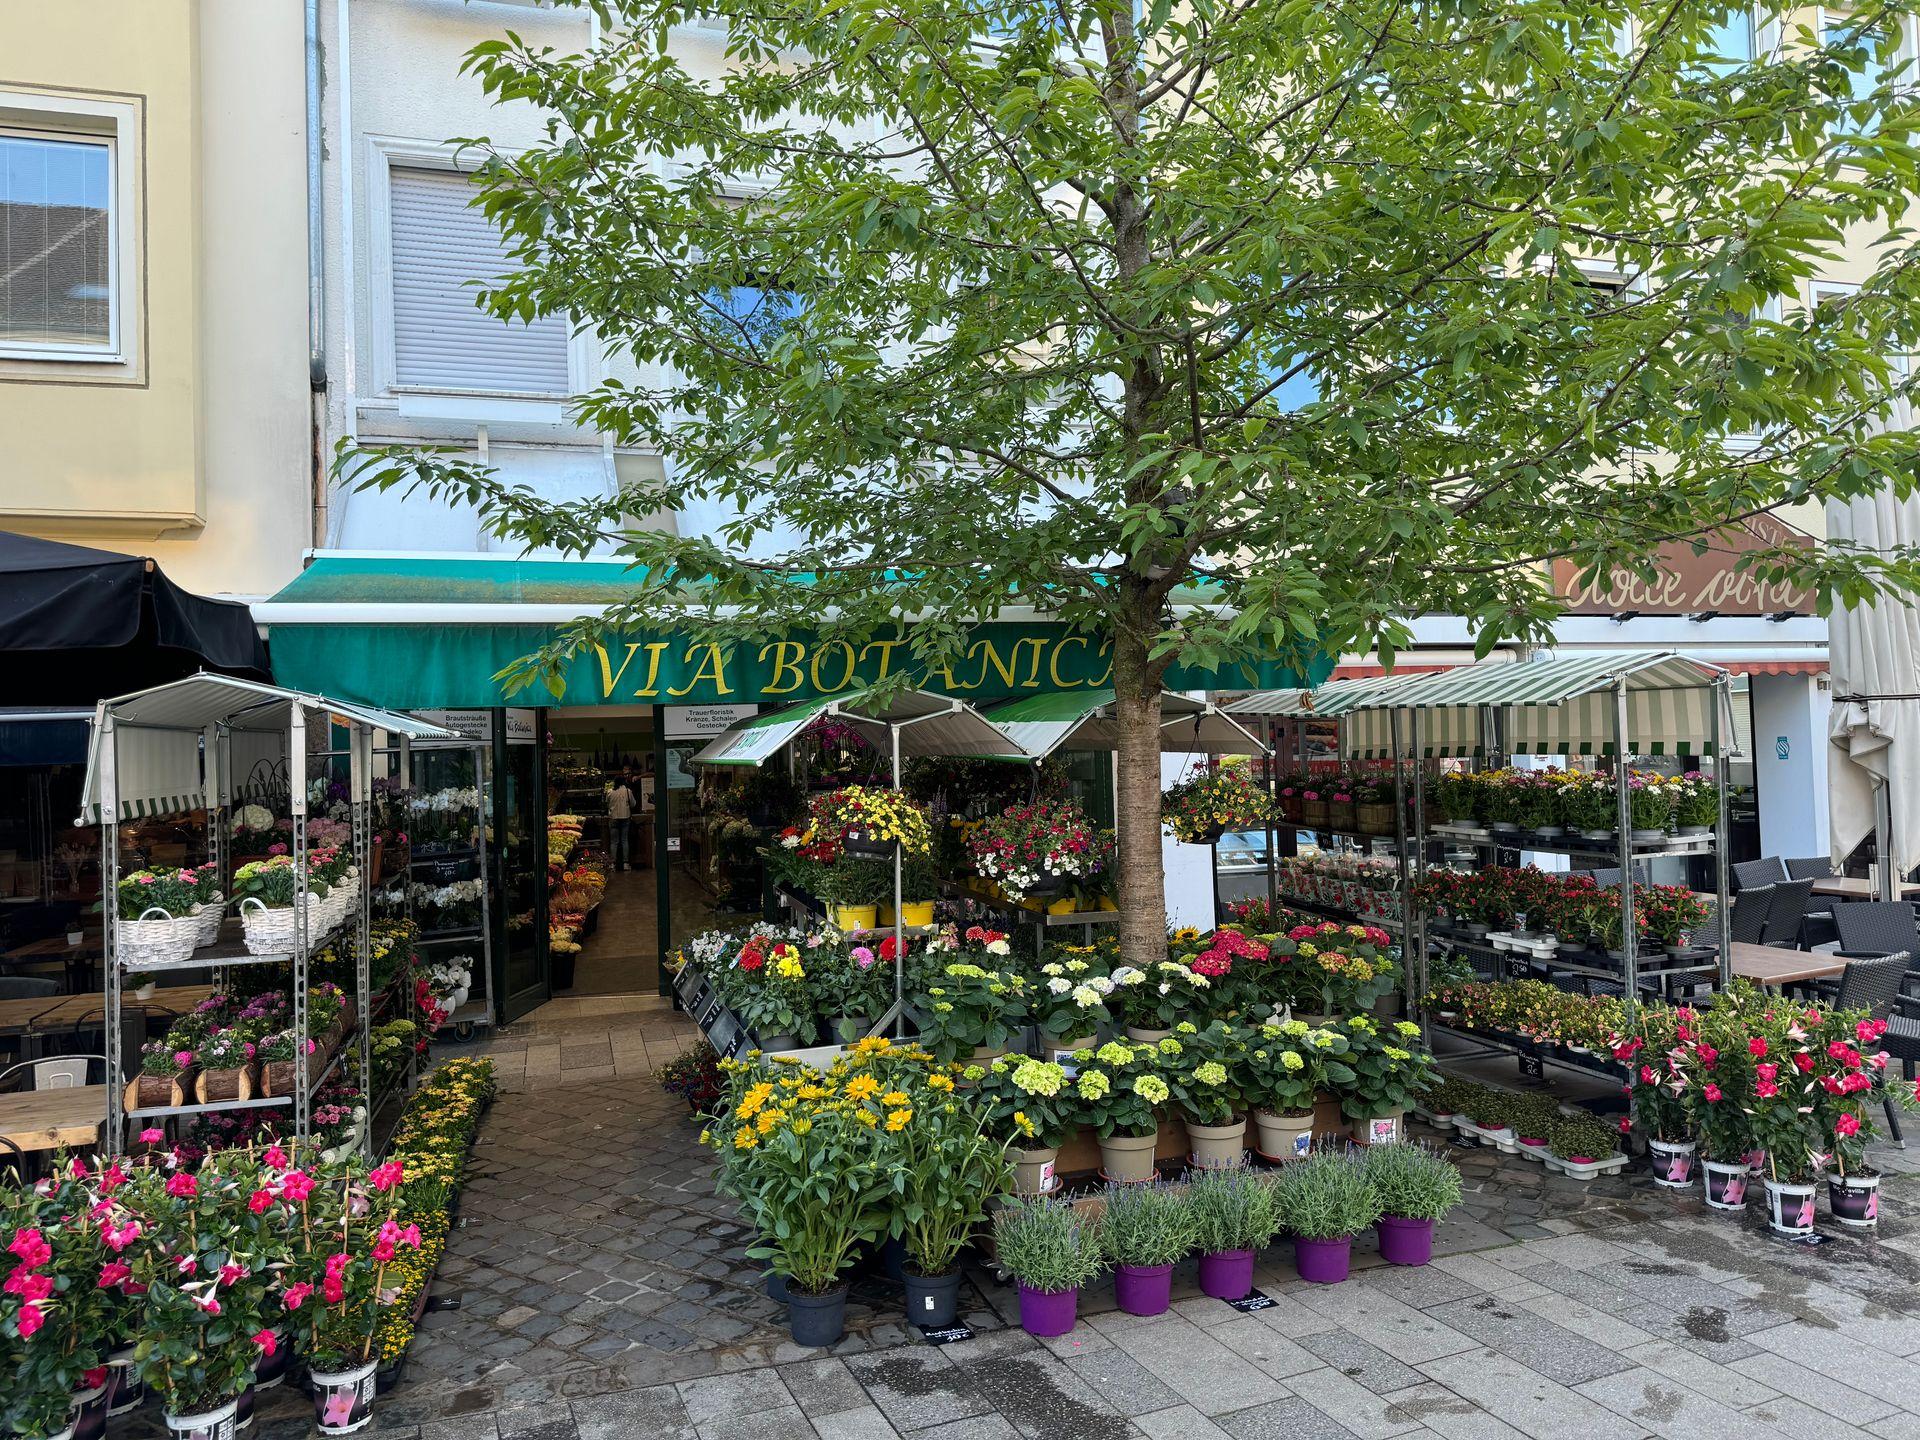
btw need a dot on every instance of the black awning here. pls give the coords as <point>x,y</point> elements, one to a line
<point>78,624</point>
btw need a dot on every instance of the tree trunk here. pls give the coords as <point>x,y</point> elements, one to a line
<point>1143,881</point>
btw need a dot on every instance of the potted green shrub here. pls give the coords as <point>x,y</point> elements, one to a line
<point>1582,1147</point>
<point>55,1316</point>
<point>1283,1068</point>
<point>1051,1249</point>
<point>1144,1231</point>
<point>1234,1216</point>
<point>949,1170</point>
<point>1325,1200</point>
<point>973,1013</point>
<point>1416,1187</point>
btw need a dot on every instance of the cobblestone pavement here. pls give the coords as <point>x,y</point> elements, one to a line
<point>602,1291</point>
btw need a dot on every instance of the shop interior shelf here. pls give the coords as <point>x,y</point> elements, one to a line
<point>430,857</point>
<point>436,937</point>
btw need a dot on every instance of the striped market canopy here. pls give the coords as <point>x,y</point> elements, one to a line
<point>1565,706</point>
<point>1364,707</point>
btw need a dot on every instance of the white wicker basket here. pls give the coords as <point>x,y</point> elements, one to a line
<point>210,915</point>
<point>153,944</point>
<point>271,932</point>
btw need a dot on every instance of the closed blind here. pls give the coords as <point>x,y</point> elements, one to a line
<point>441,338</point>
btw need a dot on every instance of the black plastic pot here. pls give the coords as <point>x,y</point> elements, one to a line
<point>859,842</point>
<point>817,1320</point>
<point>932,1300</point>
<point>561,970</point>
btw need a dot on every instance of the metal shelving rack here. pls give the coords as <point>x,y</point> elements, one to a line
<point>177,748</point>
<point>478,1010</point>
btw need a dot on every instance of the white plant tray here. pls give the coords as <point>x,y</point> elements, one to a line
<point>1533,1152</point>
<point>1611,1165</point>
<point>1501,1140</point>
<point>1543,946</point>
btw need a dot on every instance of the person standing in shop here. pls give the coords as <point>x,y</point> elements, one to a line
<point>620,812</point>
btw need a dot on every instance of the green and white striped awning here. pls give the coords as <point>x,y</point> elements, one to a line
<point>1084,720</point>
<point>928,724</point>
<point>1363,705</point>
<point>1565,706</point>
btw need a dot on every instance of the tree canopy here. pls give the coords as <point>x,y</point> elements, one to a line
<point>1350,309</point>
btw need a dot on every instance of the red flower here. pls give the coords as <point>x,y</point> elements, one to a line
<point>1847,1125</point>
<point>181,1186</point>
<point>1757,1047</point>
<point>1803,1062</point>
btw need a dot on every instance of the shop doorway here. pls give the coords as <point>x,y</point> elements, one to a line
<point>672,884</point>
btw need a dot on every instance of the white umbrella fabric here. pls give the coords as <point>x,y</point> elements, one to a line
<point>1874,732</point>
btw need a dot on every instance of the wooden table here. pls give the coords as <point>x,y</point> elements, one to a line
<point>1770,966</point>
<point>47,1014</point>
<point>51,1119</point>
<point>1857,887</point>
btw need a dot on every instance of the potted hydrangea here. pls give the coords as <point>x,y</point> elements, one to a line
<point>1030,1105</point>
<point>1284,1068</point>
<point>1391,1069</point>
<point>1205,1079</point>
<point>1120,1093</point>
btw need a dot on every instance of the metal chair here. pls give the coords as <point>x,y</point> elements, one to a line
<point>1755,873</point>
<point>1786,907</point>
<point>1749,917</point>
<point>54,1072</point>
<point>26,987</point>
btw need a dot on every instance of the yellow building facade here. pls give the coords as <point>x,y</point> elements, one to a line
<point>154,392</point>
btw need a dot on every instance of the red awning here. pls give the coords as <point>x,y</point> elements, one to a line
<point>1774,667</point>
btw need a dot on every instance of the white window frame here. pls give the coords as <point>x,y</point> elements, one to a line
<point>116,126</point>
<point>384,154</point>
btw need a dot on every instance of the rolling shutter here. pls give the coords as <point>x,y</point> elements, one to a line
<point>441,338</point>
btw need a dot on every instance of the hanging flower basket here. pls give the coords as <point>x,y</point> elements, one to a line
<point>864,842</point>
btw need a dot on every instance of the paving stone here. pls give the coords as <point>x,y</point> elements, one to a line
<point>1803,1422</point>
<point>1360,1361</point>
<point>1419,1285</point>
<point>726,1397</point>
<point>1267,1347</point>
<point>1370,1416</point>
<point>523,1419</point>
<point>1696,1372</point>
<point>1672,1410</point>
<point>822,1387</point>
<point>463,1427</point>
<point>1288,1419</point>
<point>1208,1375</point>
<point>783,1423</point>
<point>1402,1331</point>
<point>1040,1396</point>
<point>1441,1412</point>
<point>1180,1423</point>
<point>1123,1382</point>
<point>1527,1400</point>
<point>918,1388</point>
<point>865,1423</point>
<point>1825,1393</point>
<point>1558,1355</point>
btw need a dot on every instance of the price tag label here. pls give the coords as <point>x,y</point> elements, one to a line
<point>1255,1299</point>
<point>1533,1067</point>
<point>945,1334</point>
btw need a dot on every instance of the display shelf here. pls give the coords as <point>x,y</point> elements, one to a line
<point>1588,1064</point>
<point>259,1102</point>
<point>443,937</point>
<point>233,952</point>
<point>1390,923</point>
<point>1672,845</point>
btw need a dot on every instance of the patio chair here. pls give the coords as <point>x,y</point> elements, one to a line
<point>26,987</point>
<point>1809,867</point>
<point>1786,907</point>
<point>1875,985</point>
<point>1755,873</point>
<point>1875,927</point>
<point>52,1072</point>
<point>1749,918</point>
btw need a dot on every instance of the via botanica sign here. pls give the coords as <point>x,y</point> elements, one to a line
<point>1685,583</point>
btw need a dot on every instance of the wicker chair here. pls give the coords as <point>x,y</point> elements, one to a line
<point>1875,985</point>
<point>1875,927</point>
<point>1809,867</point>
<point>26,987</point>
<point>1749,918</point>
<point>1786,907</point>
<point>1755,873</point>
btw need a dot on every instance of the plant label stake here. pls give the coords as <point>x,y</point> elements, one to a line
<point>1255,1299</point>
<point>945,1334</point>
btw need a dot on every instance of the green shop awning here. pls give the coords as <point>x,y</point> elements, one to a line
<point>1363,706</point>
<point>417,632</point>
<point>1084,720</point>
<point>928,725</point>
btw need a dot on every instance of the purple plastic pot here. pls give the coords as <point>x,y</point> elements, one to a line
<point>1322,1262</point>
<point>1047,1312</point>
<point>1227,1275</point>
<point>1405,1242</point>
<point>1143,1289</point>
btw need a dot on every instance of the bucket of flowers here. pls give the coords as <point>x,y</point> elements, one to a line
<point>1224,798</point>
<point>1696,804</point>
<point>57,1307</point>
<point>156,924</point>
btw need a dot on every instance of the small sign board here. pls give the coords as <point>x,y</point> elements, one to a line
<point>710,1011</point>
<point>673,844</point>
<point>703,722</point>
<point>945,1334</point>
<point>725,1034</point>
<point>1533,1067</point>
<point>1254,1299</point>
<point>738,1046</point>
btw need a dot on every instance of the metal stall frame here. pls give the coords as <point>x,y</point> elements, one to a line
<point>201,770</point>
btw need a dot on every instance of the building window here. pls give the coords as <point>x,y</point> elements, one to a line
<point>442,340</point>
<point>59,280</point>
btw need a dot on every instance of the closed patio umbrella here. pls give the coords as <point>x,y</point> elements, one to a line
<point>1873,763</point>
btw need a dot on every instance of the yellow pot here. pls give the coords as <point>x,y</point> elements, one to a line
<point>1066,905</point>
<point>883,916</point>
<point>916,912</point>
<point>856,917</point>
<point>1107,902</point>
